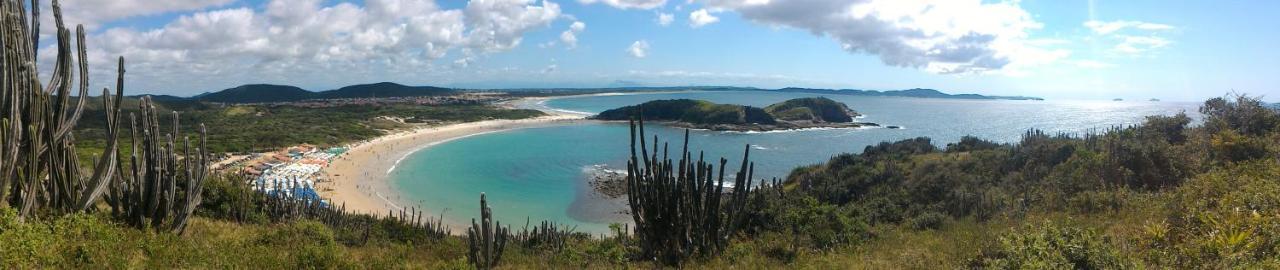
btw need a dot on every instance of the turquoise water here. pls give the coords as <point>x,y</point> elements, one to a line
<point>539,172</point>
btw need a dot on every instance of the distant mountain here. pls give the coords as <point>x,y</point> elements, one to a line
<point>383,89</point>
<point>159,97</point>
<point>258,93</point>
<point>265,93</point>
<point>915,92</point>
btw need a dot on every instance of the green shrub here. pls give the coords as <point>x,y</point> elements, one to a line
<point>824,226</point>
<point>1225,218</point>
<point>311,243</point>
<point>928,221</point>
<point>1050,246</point>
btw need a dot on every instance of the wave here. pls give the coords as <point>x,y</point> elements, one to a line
<point>542,104</point>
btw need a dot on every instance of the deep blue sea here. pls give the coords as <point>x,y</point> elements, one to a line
<point>539,173</point>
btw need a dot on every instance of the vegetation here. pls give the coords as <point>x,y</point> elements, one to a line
<point>149,196</point>
<point>790,114</point>
<point>690,111</point>
<point>679,209</point>
<point>816,109</point>
<point>257,93</point>
<point>486,239</point>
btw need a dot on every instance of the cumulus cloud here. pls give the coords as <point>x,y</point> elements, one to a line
<point>701,17</point>
<point>639,49</point>
<point>304,40</point>
<point>665,19</point>
<point>628,4</point>
<point>955,36</point>
<point>570,37</point>
<point>93,13</point>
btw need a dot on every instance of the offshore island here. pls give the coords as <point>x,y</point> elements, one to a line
<point>799,113</point>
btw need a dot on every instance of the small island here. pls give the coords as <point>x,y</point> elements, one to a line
<point>800,113</point>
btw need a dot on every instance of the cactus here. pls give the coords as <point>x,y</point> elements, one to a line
<point>39,168</point>
<point>546,234</point>
<point>679,208</point>
<point>147,194</point>
<point>486,239</point>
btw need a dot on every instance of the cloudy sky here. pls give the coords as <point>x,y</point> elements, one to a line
<point>1174,50</point>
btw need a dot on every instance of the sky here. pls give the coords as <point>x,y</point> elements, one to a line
<point>1133,49</point>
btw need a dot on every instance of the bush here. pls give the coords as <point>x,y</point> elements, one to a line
<point>312,243</point>
<point>1229,146</point>
<point>1226,218</point>
<point>928,221</point>
<point>229,197</point>
<point>1052,247</point>
<point>824,226</point>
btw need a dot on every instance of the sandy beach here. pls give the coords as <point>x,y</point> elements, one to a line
<point>358,178</point>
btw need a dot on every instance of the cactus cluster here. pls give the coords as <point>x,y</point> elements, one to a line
<point>161,188</point>
<point>408,224</point>
<point>40,172</point>
<point>486,239</point>
<point>680,207</point>
<point>545,235</point>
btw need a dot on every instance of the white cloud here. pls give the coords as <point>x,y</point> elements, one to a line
<point>1132,38</point>
<point>93,13</point>
<point>665,19</point>
<point>955,36</point>
<point>639,49</point>
<point>301,41</point>
<point>570,37</point>
<point>701,17</point>
<point>628,4</point>
<point>1140,44</point>
<point>1103,28</point>
<point>1093,64</point>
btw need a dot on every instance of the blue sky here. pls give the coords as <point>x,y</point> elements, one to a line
<point>1173,50</point>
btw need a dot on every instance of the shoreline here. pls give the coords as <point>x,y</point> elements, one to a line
<point>358,179</point>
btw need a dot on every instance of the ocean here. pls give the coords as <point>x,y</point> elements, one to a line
<point>540,173</point>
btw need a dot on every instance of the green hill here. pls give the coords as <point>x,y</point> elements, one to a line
<point>797,113</point>
<point>691,111</point>
<point>383,89</point>
<point>258,93</point>
<point>816,109</point>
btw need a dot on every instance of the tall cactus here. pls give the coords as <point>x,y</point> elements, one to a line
<point>486,239</point>
<point>148,195</point>
<point>678,207</point>
<point>39,168</point>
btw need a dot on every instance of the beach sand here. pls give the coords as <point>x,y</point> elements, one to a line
<point>358,178</point>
